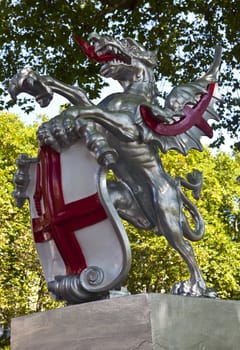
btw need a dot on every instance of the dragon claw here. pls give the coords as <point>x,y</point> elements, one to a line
<point>33,84</point>
<point>194,289</point>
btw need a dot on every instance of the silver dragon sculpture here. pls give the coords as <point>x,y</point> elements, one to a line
<point>132,128</point>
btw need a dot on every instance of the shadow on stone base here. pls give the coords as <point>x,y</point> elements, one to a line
<point>138,322</point>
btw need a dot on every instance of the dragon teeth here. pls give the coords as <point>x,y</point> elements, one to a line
<point>116,61</point>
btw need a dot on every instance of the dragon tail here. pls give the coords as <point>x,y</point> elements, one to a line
<point>194,183</point>
<point>188,232</point>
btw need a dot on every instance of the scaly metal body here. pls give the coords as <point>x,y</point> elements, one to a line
<point>133,126</point>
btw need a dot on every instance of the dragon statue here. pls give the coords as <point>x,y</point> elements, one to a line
<point>124,133</point>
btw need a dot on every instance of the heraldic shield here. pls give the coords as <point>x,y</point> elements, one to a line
<point>81,242</point>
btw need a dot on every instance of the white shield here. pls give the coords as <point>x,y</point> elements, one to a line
<point>76,229</point>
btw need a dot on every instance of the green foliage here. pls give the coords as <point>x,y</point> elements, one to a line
<point>22,287</point>
<point>183,32</point>
<point>156,266</point>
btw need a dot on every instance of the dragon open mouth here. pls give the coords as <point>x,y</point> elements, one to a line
<point>105,53</point>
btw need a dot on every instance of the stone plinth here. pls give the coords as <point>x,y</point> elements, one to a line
<point>139,322</point>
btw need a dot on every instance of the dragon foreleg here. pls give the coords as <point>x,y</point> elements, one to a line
<point>73,94</point>
<point>118,123</point>
<point>43,87</point>
<point>66,128</point>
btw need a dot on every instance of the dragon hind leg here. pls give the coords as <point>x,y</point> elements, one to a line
<point>169,223</point>
<point>196,286</point>
<point>127,206</point>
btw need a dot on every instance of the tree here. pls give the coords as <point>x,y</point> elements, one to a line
<point>184,32</point>
<point>22,286</point>
<point>156,266</point>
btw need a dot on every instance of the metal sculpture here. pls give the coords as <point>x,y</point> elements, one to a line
<point>124,132</point>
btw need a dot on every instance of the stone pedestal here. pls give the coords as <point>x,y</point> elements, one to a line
<point>139,322</point>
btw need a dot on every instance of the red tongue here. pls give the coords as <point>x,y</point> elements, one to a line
<point>89,50</point>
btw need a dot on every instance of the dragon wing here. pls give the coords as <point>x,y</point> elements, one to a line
<point>184,118</point>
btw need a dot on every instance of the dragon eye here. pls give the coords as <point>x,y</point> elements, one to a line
<point>134,49</point>
<point>124,43</point>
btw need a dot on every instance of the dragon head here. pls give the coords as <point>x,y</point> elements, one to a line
<point>124,60</point>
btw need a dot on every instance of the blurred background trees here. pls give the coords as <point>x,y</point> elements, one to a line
<point>155,267</point>
<point>22,286</point>
<point>40,34</point>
